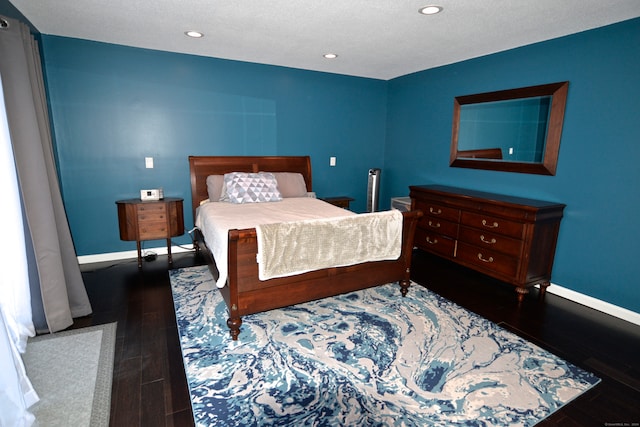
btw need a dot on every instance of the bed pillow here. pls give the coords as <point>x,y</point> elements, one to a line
<point>245,187</point>
<point>214,187</point>
<point>291,184</point>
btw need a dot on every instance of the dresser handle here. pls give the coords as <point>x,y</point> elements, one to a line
<point>432,225</point>
<point>490,259</point>
<point>435,212</point>
<point>488,242</point>
<point>431,242</point>
<point>494,225</point>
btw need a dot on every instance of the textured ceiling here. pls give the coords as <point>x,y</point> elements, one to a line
<point>380,39</point>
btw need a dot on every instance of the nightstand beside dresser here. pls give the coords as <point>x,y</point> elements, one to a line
<point>150,220</point>
<point>340,201</point>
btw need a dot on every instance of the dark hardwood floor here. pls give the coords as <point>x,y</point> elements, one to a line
<point>150,389</point>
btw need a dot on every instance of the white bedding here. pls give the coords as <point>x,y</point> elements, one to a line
<point>215,219</point>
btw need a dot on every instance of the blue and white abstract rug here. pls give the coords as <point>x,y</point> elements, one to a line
<point>368,358</point>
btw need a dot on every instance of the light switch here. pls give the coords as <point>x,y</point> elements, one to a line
<point>148,162</point>
<point>332,161</point>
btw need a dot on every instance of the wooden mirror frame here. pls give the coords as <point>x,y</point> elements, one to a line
<point>558,92</point>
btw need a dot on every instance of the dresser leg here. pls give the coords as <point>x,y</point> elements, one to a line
<point>543,289</point>
<point>169,251</point>
<point>521,293</point>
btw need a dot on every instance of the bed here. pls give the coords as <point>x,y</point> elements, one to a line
<point>243,290</point>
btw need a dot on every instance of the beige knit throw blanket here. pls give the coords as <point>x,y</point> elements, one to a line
<point>289,248</point>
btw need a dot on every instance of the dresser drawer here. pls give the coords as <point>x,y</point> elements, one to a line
<point>491,241</point>
<point>438,225</point>
<point>434,242</point>
<point>487,259</point>
<point>430,209</point>
<point>493,224</point>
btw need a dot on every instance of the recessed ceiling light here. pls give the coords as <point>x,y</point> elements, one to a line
<point>330,55</point>
<point>194,34</point>
<point>430,10</point>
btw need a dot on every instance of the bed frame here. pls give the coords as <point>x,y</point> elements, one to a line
<point>245,293</point>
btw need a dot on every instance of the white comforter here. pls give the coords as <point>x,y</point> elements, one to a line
<point>215,219</point>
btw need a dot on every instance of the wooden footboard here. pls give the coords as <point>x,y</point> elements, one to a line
<point>245,293</point>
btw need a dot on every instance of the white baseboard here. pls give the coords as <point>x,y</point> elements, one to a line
<point>596,304</point>
<point>586,300</point>
<point>117,256</point>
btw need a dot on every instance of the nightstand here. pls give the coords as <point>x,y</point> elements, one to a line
<point>340,201</point>
<point>150,220</point>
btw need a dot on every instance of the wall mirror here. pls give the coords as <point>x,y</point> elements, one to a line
<point>515,130</point>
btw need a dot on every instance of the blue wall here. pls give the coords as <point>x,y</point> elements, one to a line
<point>598,175</point>
<point>111,106</point>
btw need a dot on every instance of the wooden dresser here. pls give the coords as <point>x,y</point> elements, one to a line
<point>150,220</point>
<point>509,238</point>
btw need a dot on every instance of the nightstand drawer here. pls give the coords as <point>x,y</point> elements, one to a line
<point>152,212</point>
<point>150,207</point>
<point>150,216</point>
<point>153,230</point>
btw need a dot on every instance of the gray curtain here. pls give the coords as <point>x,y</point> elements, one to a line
<point>61,294</point>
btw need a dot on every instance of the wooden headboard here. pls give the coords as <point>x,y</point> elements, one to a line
<point>200,167</point>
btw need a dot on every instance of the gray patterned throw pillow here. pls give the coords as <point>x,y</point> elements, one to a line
<point>245,187</point>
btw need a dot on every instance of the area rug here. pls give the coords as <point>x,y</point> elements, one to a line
<point>72,372</point>
<point>367,358</point>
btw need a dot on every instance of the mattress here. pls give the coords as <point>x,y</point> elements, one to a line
<point>215,219</point>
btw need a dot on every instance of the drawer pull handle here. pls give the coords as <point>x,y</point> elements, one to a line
<point>488,242</point>
<point>431,242</point>
<point>486,224</point>
<point>490,259</point>
<point>432,225</point>
<point>435,211</point>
